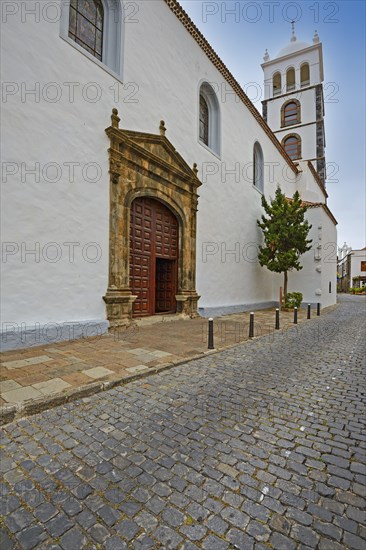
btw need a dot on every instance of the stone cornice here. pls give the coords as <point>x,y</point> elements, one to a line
<point>295,93</point>
<point>296,53</point>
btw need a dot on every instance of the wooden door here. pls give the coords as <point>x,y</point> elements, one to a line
<point>154,257</point>
<point>165,290</point>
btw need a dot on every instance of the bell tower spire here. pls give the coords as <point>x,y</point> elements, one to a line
<point>294,106</point>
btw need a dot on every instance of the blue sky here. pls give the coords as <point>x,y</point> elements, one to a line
<point>240,38</point>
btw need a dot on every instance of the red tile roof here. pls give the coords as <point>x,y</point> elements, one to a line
<point>310,204</point>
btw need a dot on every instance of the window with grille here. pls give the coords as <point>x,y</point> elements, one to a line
<point>204,120</point>
<point>86,20</point>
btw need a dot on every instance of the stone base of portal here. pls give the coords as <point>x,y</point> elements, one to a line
<point>187,304</point>
<point>119,305</point>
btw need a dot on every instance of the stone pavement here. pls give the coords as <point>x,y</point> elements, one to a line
<point>259,446</point>
<point>39,377</point>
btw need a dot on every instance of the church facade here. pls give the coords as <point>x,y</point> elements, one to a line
<point>134,165</point>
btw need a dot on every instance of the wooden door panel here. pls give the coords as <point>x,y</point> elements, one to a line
<point>153,235</point>
<point>165,287</point>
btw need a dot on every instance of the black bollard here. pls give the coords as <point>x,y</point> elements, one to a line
<point>251,325</point>
<point>295,316</point>
<point>318,309</point>
<point>210,334</point>
<point>309,311</point>
<point>277,326</point>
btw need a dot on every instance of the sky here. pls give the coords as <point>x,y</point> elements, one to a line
<point>241,31</point>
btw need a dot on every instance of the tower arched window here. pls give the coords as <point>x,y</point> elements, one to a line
<point>95,27</point>
<point>290,79</point>
<point>209,118</point>
<point>305,75</point>
<point>258,167</point>
<point>292,145</point>
<point>291,113</point>
<point>86,22</point>
<point>276,84</point>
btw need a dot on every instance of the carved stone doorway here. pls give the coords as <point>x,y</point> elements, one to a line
<point>145,169</point>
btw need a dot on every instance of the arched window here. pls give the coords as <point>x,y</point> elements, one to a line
<point>86,21</point>
<point>95,27</point>
<point>204,120</point>
<point>305,75</point>
<point>277,84</point>
<point>209,118</point>
<point>290,113</point>
<point>290,79</point>
<point>258,167</point>
<point>292,145</point>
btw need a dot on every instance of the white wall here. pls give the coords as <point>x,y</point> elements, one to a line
<point>319,263</point>
<point>165,84</point>
<point>329,260</point>
<point>308,188</point>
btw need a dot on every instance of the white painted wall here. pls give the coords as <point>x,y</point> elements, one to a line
<point>319,263</point>
<point>329,262</point>
<point>159,83</point>
<point>308,188</point>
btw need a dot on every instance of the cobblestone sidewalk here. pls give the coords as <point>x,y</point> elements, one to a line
<point>46,374</point>
<point>259,446</point>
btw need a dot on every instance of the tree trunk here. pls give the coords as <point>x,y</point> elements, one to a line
<point>285,286</point>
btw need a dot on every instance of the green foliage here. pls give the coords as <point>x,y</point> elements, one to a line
<point>357,290</point>
<point>285,233</point>
<point>294,299</point>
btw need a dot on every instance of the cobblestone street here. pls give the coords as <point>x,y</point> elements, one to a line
<point>260,446</point>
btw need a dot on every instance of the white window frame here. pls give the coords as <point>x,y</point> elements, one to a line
<point>113,35</point>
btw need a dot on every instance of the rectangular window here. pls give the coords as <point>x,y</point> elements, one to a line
<point>363,266</point>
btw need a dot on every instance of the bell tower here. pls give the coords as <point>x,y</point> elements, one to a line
<point>293,104</point>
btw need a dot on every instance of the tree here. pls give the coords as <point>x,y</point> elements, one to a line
<point>285,233</point>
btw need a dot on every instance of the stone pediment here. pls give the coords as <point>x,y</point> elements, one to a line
<point>153,147</point>
<point>161,148</point>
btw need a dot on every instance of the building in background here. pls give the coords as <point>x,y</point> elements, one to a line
<point>351,268</point>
